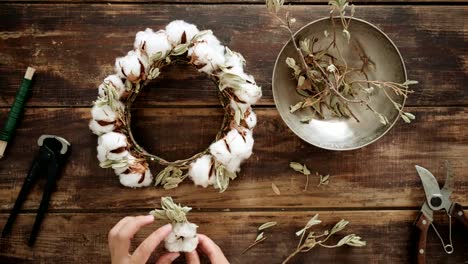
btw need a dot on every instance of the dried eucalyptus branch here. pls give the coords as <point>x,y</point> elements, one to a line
<point>302,168</point>
<point>309,239</point>
<point>326,82</point>
<point>261,236</point>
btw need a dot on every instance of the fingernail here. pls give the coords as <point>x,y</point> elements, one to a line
<point>175,256</point>
<point>149,217</point>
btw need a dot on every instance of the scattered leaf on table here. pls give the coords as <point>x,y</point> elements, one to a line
<point>275,189</point>
<point>266,225</point>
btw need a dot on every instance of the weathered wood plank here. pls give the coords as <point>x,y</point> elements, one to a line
<point>74,46</point>
<point>240,1</point>
<point>380,175</point>
<point>79,238</point>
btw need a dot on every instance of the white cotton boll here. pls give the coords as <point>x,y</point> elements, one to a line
<point>183,238</point>
<point>101,153</point>
<point>251,119</point>
<point>152,42</point>
<point>113,140</point>
<point>213,42</point>
<point>117,156</point>
<point>234,164</point>
<point>235,62</point>
<point>205,57</point>
<point>114,81</point>
<point>131,162</point>
<point>249,93</point>
<point>103,113</point>
<point>220,151</point>
<point>98,129</point>
<point>200,169</point>
<point>114,143</point>
<point>136,179</point>
<point>240,143</point>
<point>176,29</point>
<point>133,67</point>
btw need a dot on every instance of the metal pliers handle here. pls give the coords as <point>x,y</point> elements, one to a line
<point>52,155</point>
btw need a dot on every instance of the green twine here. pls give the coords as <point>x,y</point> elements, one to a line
<point>16,110</point>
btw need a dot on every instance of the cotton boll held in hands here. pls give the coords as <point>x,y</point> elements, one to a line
<point>183,238</point>
<point>133,67</point>
<point>200,170</point>
<point>176,29</point>
<point>152,42</point>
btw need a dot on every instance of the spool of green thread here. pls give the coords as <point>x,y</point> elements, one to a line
<point>16,110</point>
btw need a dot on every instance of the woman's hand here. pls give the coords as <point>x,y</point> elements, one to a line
<point>121,234</point>
<point>120,237</point>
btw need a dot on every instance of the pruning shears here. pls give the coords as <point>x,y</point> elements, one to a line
<point>436,200</point>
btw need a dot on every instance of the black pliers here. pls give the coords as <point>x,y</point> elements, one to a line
<point>53,153</point>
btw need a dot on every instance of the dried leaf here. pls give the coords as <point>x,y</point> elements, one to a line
<point>294,108</point>
<point>275,189</point>
<point>267,225</point>
<point>171,212</point>
<point>259,237</point>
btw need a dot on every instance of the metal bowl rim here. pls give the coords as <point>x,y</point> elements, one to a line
<point>275,98</point>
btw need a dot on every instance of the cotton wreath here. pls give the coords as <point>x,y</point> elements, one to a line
<point>180,42</point>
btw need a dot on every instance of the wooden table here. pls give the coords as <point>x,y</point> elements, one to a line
<point>73,44</point>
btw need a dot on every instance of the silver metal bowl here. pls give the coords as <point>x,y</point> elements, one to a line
<point>342,133</point>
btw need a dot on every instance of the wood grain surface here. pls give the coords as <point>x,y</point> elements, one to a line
<point>73,44</point>
<point>74,47</point>
<point>380,175</point>
<point>389,236</point>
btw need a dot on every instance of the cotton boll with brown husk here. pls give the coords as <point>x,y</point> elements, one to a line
<point>114,82</point>
<point>105,118</point>
<point>213,42</point>
<point>240,142</point>
<point>201,170</point>
<point>115,144</point>
<point>233,149</point>
<point>103,113</point>
<point>250,118</point>
<point>205,57</point>
<point>234,61</point>
<point>101,153</point>
<point>179,31</point>
<point>132,67</point>
<point>183,238</point>
<point>152,43</point>
<point>249,93</point>
<point>100,128</point>
<point>136,175</point>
